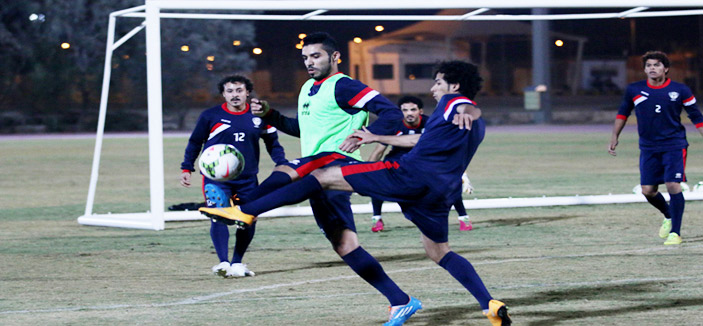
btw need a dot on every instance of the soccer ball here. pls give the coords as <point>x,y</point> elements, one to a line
<point>685,187</point>
<point>221,162</point>
<point>698,187</point>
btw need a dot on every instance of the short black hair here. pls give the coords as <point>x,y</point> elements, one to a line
<point>462,73</point>
<point>235,79</point>
<point>410,99</point>
<point>656,55</point>
<point>328,42</point>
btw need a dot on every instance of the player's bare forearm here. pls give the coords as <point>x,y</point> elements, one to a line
<point>700,130</point>
<point>618,125</point>
<point>466,115</point>
<point>366,137</point>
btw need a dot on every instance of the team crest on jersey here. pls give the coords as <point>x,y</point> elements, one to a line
<point>294,162</point>
<point>256,121</point>
<point>673,96</point>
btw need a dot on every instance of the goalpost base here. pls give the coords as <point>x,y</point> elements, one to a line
<point>147,221</point>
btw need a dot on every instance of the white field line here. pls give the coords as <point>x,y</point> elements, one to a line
<point>210,298</point>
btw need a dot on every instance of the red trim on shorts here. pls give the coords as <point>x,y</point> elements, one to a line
<point>620,117</point>
<point>698,125</point>
<point>685,154</point>
<point>306,168</point>
<point>368,167</point>
<point>202,187</point>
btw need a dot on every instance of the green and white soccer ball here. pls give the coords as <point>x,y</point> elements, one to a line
<point>698,187</point>
<point>221,162</point>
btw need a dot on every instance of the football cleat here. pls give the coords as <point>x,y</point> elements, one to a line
<point>221,269</point>
<point>665,228</point>
<point>228,215</point>
<point>399,314</point>
<point>239,270</point>
<point>377,226</point>
<point>498,314</point>
<point>673,239</point>
<point>465,224</point>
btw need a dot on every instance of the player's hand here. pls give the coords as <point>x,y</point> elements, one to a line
<point>350,144</point>
<point>259,107</point>
<point>463,120</point>
<point>611,147</point>
<point>364,136</point>
<point>185,179</point>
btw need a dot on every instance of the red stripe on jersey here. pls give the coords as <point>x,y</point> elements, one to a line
<point>217,125</point>
<point>308,167</point>
<point>359,96</point>
<point>621,117</point>
<point>368,167</point>
<point>698,125</point>
<point>689,101</point>
<point>451,102</point>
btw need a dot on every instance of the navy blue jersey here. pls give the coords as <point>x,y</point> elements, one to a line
<point>404,129</point>
<point>443,148</point>
<point>658,111</point>
<point>218,125</point>
<point>351,95</point>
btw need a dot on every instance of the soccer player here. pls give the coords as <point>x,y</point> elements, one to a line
<point>413,123</point>
<point>658,102</point>
<point>452,136</point>
<point>231,123</point>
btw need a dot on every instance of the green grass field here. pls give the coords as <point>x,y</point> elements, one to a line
<point>575,265</point>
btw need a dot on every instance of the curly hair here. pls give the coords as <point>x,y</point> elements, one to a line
<point>656,55</point>
<point>410,99</point>
<point>462,73</point>
<point>235,79</point>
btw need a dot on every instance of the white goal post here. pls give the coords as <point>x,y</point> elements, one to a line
<point>154,10</point>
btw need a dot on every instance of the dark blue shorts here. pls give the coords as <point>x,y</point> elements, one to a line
<point>389,181</point>
<point>332,208</point>
<point>660,167</point>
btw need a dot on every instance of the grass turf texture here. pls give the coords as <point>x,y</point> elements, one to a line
<point>577,265</point>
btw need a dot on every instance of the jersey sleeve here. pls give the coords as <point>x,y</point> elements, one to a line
<point>281,122</point>
<point>195,143</point>
<point>352,95</point>
<point>627,105</point>
<point>273,147</point>
<point>689,104</point>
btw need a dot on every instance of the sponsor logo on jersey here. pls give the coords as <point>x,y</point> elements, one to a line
<point>677,176</point>
<point>306,109</point>
<point>673,96</point>
<point>256,121</point>
<point>294,162</point>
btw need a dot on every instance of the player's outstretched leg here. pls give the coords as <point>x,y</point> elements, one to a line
<point>376,219</point>
<point>219,233</point>
<point>464,221</point>
<point>497,314</point>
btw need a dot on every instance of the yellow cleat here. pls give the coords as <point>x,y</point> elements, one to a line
<point>665,228</point>
<point>228,215</point>
<point>673,239</point>
<point>498,314</point>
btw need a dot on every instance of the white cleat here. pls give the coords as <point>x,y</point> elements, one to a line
<point>222,269</point>
<point>239,270</point>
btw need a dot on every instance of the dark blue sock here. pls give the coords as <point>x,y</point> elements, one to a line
<point>287,195</point>
<point>244,237</point>
<point>462,271</point>
<point>659,203</point>
<point>460,209</point>
<point>676,206</point>
<point>377,204</point>
<point>220,239</point>
<point>371,271</point>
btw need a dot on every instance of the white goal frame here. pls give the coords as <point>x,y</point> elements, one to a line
<point>151,13</point>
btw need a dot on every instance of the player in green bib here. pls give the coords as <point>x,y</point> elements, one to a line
<point>331,106</point>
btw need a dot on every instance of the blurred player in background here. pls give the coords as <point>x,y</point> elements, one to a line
<point>231,123</point>
<point>658,102</point>
<point>452,136</point>
<point>413,123</point>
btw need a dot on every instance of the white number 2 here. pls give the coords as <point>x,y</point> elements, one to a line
<point>658,108</point>
<point>238,136</point>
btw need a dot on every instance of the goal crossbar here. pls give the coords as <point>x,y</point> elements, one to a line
<point>154,10</point>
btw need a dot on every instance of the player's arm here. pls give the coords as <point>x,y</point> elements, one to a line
<point>195,145</point>
<point>694,114</point>
<point>377,152</point>
<point>623,112</point>
<point>273,147</point>
<point>365,136</point>
<point>272,117</point>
